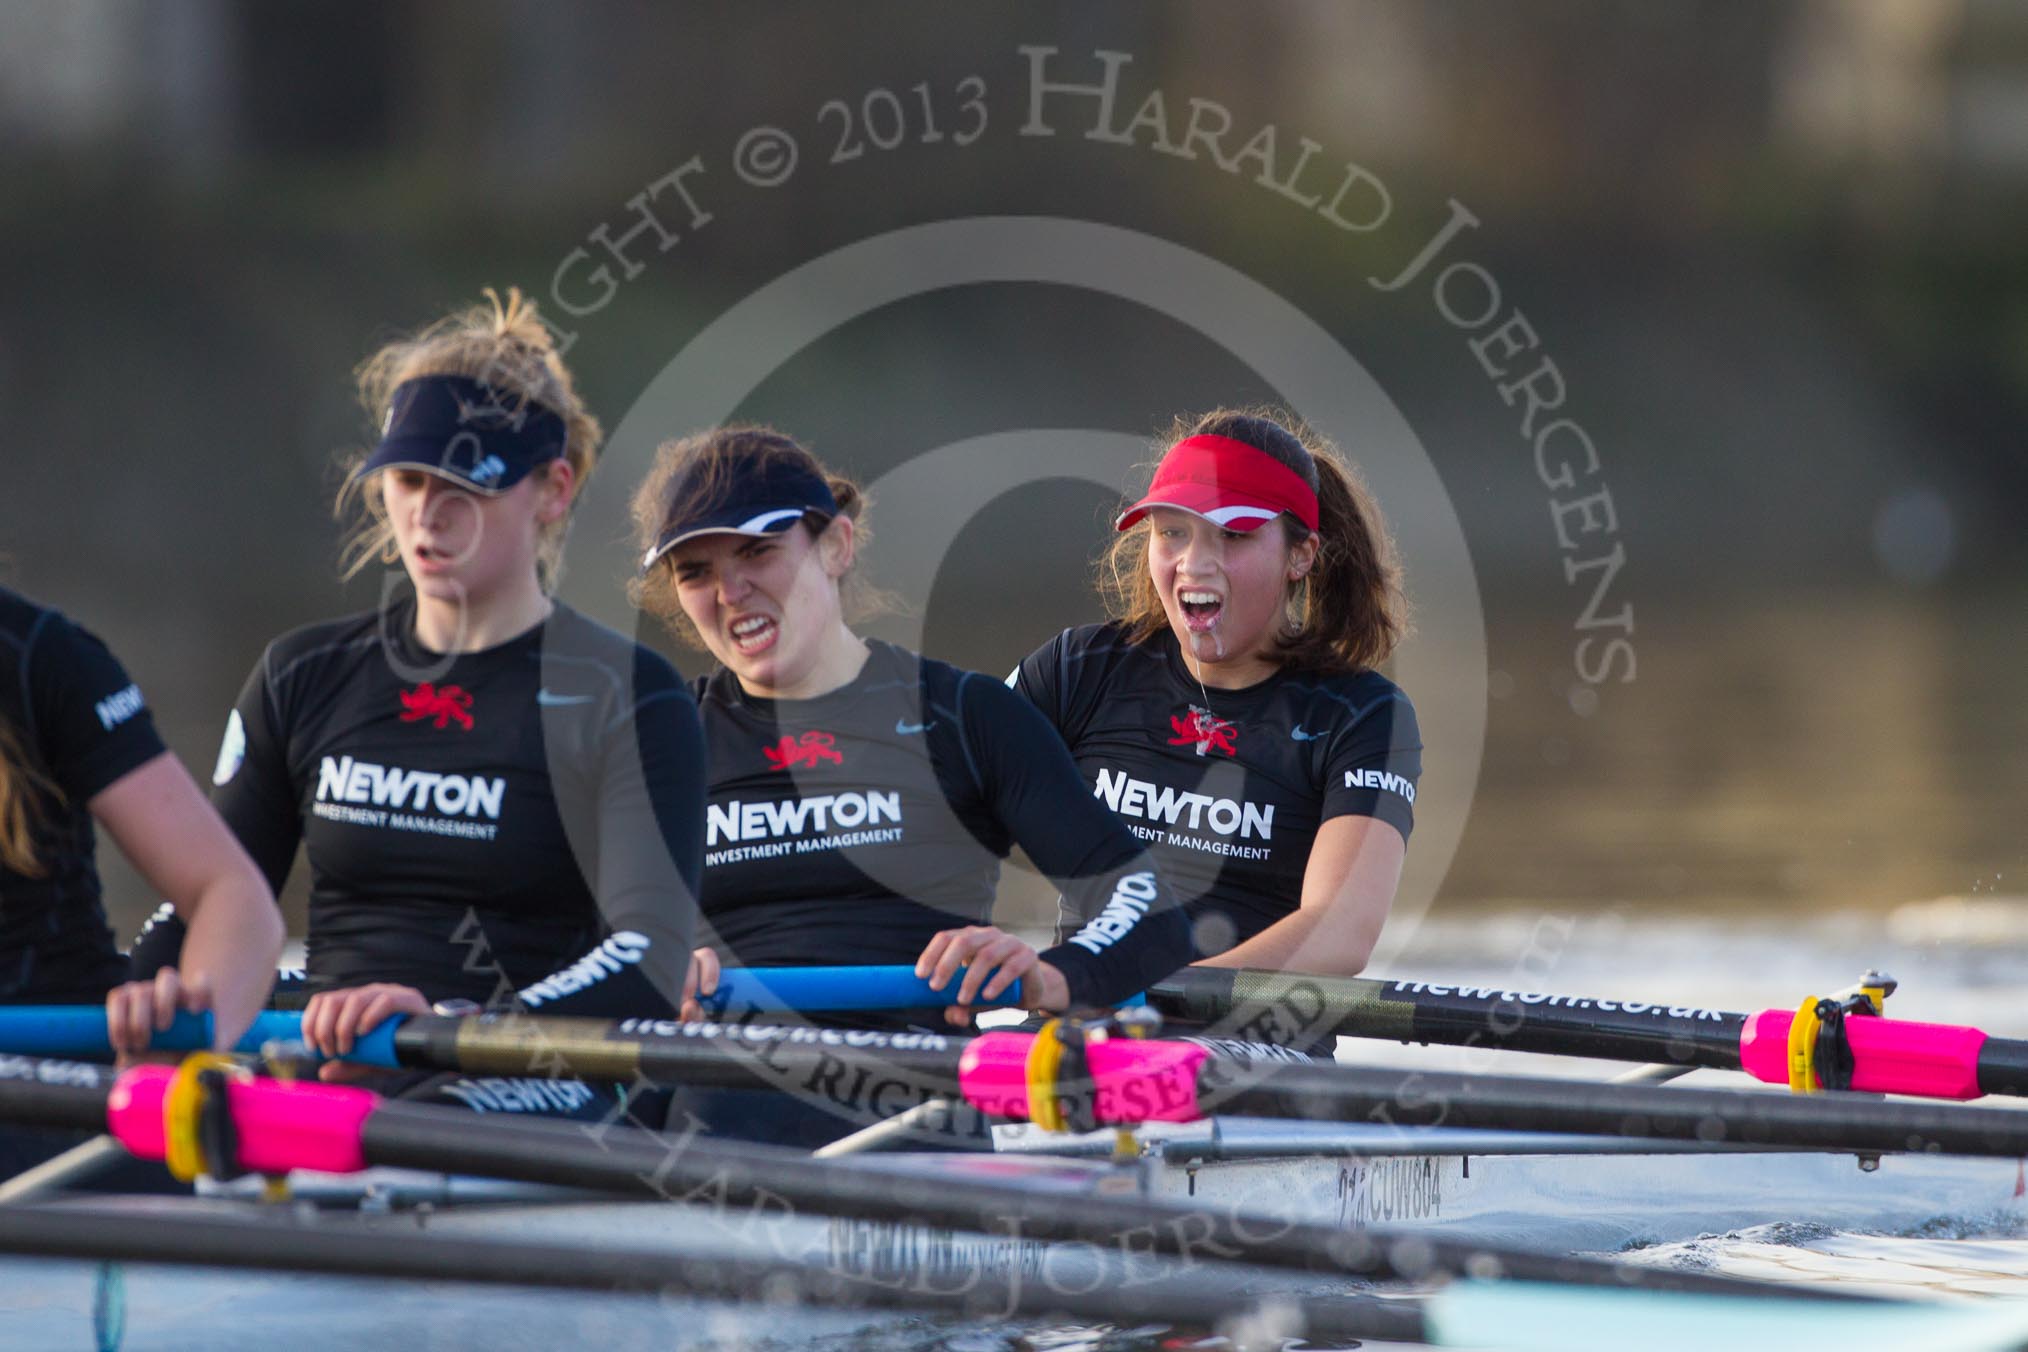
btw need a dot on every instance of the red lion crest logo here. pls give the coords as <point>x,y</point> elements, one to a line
<point>1207,732</point>
<point>812,748</point>
<point>452,704</point>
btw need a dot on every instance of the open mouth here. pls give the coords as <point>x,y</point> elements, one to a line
<point>753,633</point>
<point>1200,608</point>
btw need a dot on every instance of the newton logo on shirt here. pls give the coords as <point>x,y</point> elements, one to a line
<point>118,707</point>
<point>231,751</point>
<point>1380,779</point>
<point>736,821</point>
<point>344,780</point>
<point>1177,807</point>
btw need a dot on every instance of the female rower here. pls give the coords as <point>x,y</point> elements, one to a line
<point>861,797</point>
<point>1231,712</point>
<point>500,800</point>
<point>78,744</point>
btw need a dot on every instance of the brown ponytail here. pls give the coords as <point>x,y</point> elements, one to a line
<point>1351,609</point>
<point>693,474</point>
<point>18,780</point>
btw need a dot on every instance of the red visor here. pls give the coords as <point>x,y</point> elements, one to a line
<point>1228,482</point>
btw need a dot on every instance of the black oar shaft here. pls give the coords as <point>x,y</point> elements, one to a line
<point>380,1251</point>
<point>1854,1122</point>
<point>1289,1006</point>
<point>762,1181</point>
<point>785,1057</point>
<point>766,1180</point>
<point>38,1091</point>
<point>912,1065</point>
<point>1275,1006</point>
<point>773,1181</point>
<point>2003,1066</point>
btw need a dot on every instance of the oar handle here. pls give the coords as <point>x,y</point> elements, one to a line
<point>372,1048</point>
<point>80,1031</point>
<point>777,990</point>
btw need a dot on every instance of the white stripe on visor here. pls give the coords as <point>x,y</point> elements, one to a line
<point>1225,516</point>
<point>764,524</point>
<point>760,525</point>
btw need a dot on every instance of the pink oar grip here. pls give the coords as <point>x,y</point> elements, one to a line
<point>1138,1080</point>
<point>303,1125</point>
<point>1889,1056</point>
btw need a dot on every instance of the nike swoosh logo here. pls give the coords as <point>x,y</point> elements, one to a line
<point>1297,734</point>
<point>551,701</point>
<point>908,729</point>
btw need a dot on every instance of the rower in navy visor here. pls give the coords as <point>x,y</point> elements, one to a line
<point>500,800</point>
<point>861,796</point>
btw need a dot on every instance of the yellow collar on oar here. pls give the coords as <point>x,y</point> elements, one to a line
<point>1806,1031</point>
<point>183,1105</point>
<point>1045,1059</point>
<point>1803,1048</point>
<point>1062,1092</point>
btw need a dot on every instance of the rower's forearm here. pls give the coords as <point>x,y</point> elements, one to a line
<point>234,941</point>
<point>1279,947</point>
<point>1302,941</point>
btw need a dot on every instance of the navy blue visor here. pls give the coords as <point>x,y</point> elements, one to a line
<point>765,498</point>
<point>481,436</point>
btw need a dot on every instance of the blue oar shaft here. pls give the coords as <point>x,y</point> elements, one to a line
<point>777,990</point>
<point>80,1030</point>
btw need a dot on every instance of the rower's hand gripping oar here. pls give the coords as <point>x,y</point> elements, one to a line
<point>785,990</point>
<point>1842,1042</point>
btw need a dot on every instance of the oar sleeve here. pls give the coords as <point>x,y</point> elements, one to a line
<point>277,1127</point>
<point>1130,1080</point>
<point>1889,1056</point>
